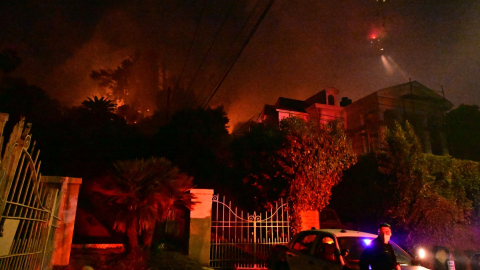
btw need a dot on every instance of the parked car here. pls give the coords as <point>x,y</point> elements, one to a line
<point>329,249</point>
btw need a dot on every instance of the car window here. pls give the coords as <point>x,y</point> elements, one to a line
<point>402,256</point>
<point>326,249</point>
<point>304,243</point>
<point>356,245</point>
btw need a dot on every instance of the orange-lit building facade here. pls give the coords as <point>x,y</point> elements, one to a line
<point>366,119</point>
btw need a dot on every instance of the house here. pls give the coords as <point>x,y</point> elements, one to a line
<point>366,119</point>
<point>323,107</point>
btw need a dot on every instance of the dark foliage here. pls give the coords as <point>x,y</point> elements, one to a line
<point>358,197</point>
<point>116,80</point>
<point>9,60</point>
<point>300,163</point>
<point>463,131</point>
<point>143,192</point>
<point>427,198</point>
<point>252,155</point>
<point>196,140</point>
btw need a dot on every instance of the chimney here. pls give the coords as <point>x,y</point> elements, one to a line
<point>345,101</point>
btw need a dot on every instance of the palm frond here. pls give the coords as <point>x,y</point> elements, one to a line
<point>147,190</point>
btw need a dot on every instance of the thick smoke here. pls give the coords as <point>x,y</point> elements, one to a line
<point>300,48</point>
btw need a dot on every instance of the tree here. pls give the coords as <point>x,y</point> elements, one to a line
<point>427,198</point>
<point>9,60</point>
<point>253,155</point>
<point>308,164</point>
<point>196,140</point>
<point>314,158</point>
<point>116,80</point>
<point>101,108</point>
<point>463,131</point>
<point>352,197</point>
<point>19,99</point>
<point>145,191</point>
<point>418,200</point>
<point>402,160</point>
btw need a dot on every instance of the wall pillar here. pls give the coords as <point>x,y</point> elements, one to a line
<point>310,219</point>
<point>200,226</point>
<point>66,213</point>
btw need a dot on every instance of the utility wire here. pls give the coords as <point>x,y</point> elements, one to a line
<point>255,18</point>
<point>210,47</point>
<point>269,5</point>
<point>240,38</point>
<point>191,44</point>
<point>220,68</point>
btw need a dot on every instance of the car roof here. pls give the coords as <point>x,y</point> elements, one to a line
<point>347,233</point>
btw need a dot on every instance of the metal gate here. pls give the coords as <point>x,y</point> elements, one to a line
<point>242,240</point>
<point>27,206</point>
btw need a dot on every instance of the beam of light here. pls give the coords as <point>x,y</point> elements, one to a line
<point>391,67</point>
<point>386,64</point>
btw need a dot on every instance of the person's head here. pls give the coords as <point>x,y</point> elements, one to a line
<point>384,232</point>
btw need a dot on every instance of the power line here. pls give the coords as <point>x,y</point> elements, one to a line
<point>191,44</point>
<point>210,47</point>
<point>267,8</point>
<point>234,47</point>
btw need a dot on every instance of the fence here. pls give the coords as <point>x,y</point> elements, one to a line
<point>242,240</point>
<point>27,205</point>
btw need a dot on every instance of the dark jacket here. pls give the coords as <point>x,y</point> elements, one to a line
<point>379,256</point>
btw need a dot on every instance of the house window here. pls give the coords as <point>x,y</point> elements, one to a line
<point>331,100</point>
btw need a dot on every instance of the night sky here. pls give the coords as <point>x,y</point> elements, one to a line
<point>300,48</point>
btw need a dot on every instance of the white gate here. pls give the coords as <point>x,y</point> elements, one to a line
<point>28,206</point>
<point>242,240</point>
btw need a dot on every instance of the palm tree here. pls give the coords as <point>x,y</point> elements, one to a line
<point>100,111</point>
<point>145,191</point>
<point>100,106</point>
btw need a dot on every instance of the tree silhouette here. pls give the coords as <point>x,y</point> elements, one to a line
<point>196,140</point>
<point>463,131</point>
<point>100,110</point>
<point>99,106</point>
<point>145,191</point>
<point>116,80</point>
<point>9,60</point>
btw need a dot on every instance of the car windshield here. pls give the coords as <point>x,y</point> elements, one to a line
<point>356,245</point>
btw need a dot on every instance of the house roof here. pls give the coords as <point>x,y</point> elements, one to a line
<point>290,104</point>
<point>415,91</point>
<point>269,109</point>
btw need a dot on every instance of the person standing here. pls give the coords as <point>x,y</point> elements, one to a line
<point>379,255</point>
